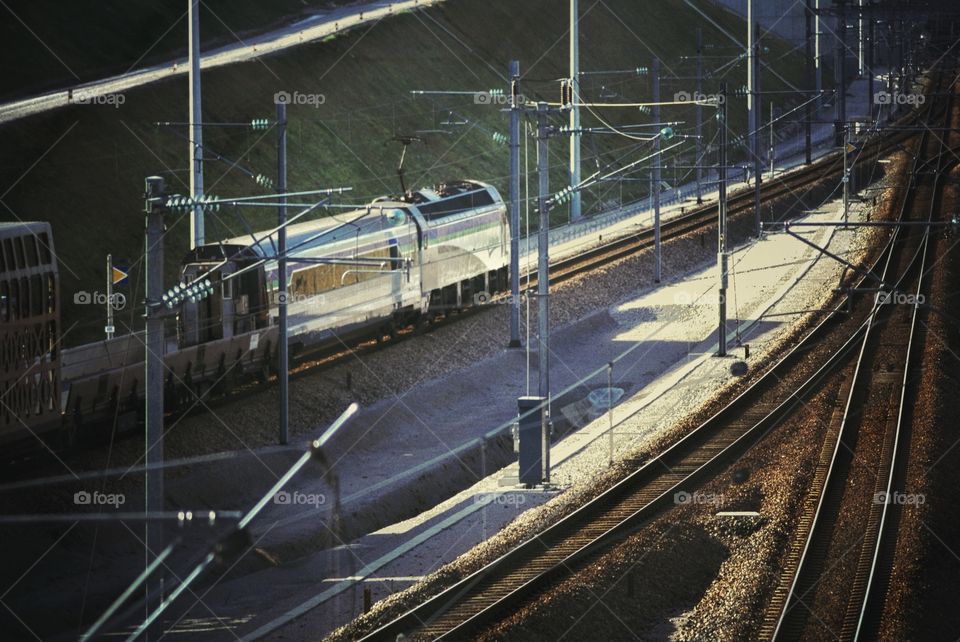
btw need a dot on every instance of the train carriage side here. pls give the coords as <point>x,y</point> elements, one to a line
<point>466,252</point>
<point>353,277</point>
<point>361,274</point>
<point>29,333</point>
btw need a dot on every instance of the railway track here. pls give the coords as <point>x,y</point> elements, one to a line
<point>694,459</point>
<point>220,392</point>
<point>525,571</point>
<point>737,204</point>
<point>627,245</point>
<point>871,432</point>
<point>520,574</point>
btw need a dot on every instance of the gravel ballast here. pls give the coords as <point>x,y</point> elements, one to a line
<point>812,295</point>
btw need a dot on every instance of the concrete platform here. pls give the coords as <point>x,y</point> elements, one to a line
<point>664,341</point>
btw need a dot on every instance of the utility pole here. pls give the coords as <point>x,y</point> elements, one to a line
<point>699,112</point>
<point>772,158</point>
<point>722,224</point>
<point>543,281</point>
<point>610,412</point>
<point>196,128</point>
<point>900,59</point>
<point>816,57</point>
<point>153,376</point>
<point>755,125</point>
<point>750,64</point>
<point>514,204</point>
<point>283,356</point>
<point>655,72</point>
<point>892,53</point>
<point>889,57</point>
<point>109,329</point>
<point>575,211</point>
<point>840,100</point>
<point>751,76</point>
<point>860,42</point>
<point>846,171</point>
<point>911,55</point>
<point>808,111</point>
<point>907,57</point>
<point>870,72</point>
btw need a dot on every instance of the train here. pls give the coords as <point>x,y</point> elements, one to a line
<point>350,276</point>
<point>30,355</point>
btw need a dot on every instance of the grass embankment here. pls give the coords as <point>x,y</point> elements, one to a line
<point>50,44</point>
<point>82,167</point>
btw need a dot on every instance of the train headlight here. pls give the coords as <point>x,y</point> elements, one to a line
<point>196,291</point>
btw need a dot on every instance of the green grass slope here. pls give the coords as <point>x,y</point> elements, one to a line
<point>82,168</point>
<point>49,43</point>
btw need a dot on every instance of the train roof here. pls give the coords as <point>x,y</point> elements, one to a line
<point>328,229</point>
<point>21,228</point>
<point>446,199</point>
